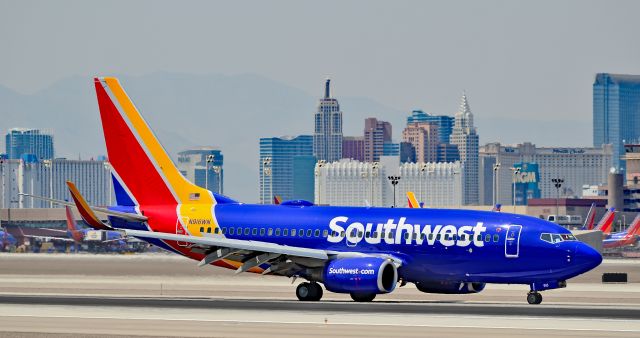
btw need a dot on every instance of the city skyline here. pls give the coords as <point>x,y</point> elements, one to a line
<point>528,82</point>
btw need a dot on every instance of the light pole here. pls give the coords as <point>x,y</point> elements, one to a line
<point>107,167</point>
<point>218,170</point>
<point>516,172</point>
<point>496,167</point>
<point>557,182</point>
<point>3,191</point>
<point>49,164</point>
<point>318,173</point>
<point>394,181</point>
<point>454,174</point>
<point>423,167</point>
<point>266,171</point>
<point>374,167</point>
<point>208,162</point>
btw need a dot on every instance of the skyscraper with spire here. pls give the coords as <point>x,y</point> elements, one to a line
<point>327,133</point>
<point>465,136</point>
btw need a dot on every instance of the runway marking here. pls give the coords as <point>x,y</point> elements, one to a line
<point>332,323</point>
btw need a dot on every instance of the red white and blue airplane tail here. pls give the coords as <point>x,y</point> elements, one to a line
<point>606,223</point>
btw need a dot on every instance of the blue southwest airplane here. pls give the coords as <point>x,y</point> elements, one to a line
<point>362,251</point>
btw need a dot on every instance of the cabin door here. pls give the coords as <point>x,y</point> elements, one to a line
<point>181,231</point>
<point>512,242</point>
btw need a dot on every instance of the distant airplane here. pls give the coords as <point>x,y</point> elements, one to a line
<point>7,239</point>
<point>361,251</point>
<point>497,207</point>
<point>606,223</point>
<point>590,219</point>
<point>628,237</point>
<point>413,202</point>
<point>277,200</point>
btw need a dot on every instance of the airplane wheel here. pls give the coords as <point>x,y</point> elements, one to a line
<point>316,291</point>
<point>363,297</point>
<point>534,298</point>
<point>304,291</point>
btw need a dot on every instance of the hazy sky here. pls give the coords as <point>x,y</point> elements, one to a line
<point>514,58</point>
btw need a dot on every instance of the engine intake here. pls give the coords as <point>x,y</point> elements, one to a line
<point>450,287</point>
<point>360,275</point>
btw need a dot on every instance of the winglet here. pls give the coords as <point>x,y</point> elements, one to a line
<point>85,211</point>
<point>413,202</point>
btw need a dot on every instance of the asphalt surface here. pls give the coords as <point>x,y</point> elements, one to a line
<point>163,295</point>
<point>598,312</point>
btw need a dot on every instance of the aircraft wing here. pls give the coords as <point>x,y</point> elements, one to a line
<point>49,238</point>
<point>125,215</point>
<point>282,259</point>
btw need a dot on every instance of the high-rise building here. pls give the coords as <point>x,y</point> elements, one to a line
<point>448,152</point>
<point>353,147</point>
<point>376,133</point>
<point>465,136</point>
<point>286,168</point>
<point>576,166</point>
<point>327,135</point>
<point>444,123</point>
<point>21,141</point>
<point>616,112</point>
<point>204,167</point>
<point>49,178</point>
<point>354,183</point>
<point>424,138</point>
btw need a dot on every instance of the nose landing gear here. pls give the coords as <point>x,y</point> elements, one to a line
<point>534,297</point>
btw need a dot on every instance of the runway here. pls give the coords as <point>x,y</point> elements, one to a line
<point>158,295</point>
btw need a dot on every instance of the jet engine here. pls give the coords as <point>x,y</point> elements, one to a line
<point>450,287</point>
<point>366,275</point>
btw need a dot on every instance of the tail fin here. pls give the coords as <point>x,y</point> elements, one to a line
<point>497,207</point>
<point>606,222</point>
<point>71,222</point>
<point>634,228</point>
<point>590,219</point>
<point>136,156</point>
<point>413,202</point>
<point>277,200</point>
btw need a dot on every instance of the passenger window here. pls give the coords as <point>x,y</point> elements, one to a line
<point>430,236</point>
<point>309,233</point>
<point>285,232</point>
<point>438,237</point>
<point>406,235</point>
<point>496,237</point>
<point>325,233</point>
<point>487,238</point>
<point>277,231</point>
<point>317,233</point>
<point>262,231</point>
<point>201,229</point>
<point>301,233</point>
<point>254,231</point>
<point>231,231</point>
<point>463,237</point>
<point>270,232</point>
<point>479,238</point>
<point>455,237</point>
<point>208,230</point>
<point>367,234</point>
<point>246,231</point>
<point>343,233</point>
<point>423,236</point>
<point>293,232</point>
<point>224,231</point>
<point>216,231</point>
<point>390,235</point>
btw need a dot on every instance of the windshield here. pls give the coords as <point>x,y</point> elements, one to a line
<point>557,238</point>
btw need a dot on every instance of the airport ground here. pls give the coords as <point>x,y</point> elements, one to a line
<point>165,295</point>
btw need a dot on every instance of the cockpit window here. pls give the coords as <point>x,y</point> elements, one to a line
<point>557,238</point>
<point>546,237</point>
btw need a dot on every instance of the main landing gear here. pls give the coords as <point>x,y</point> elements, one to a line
<point>534,297</point>
<point>309,291</point>
<point>363,297</point>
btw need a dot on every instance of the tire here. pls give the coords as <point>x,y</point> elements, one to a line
<point>532,298</point>
<point>304,291</point>
<point>317,292</point>
<point>538,298</point>
<point>363,297</point>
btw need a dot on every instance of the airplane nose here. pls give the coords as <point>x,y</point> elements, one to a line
<point>586,257</point>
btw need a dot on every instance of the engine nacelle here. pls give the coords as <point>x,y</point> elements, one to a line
<point>450,287</point>
<point>360,275</point>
